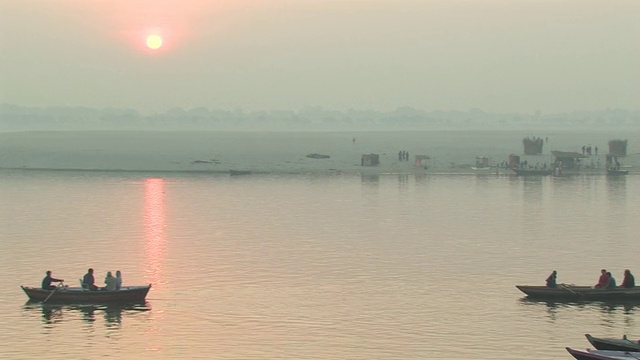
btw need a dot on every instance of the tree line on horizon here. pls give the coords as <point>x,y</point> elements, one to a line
<point>13,117</point>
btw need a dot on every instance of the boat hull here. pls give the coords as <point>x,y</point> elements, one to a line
<point>614,172</point>
<point>129,294</point>
<point>602,355</point>
<point>581,293</point>
<point>613,344</point>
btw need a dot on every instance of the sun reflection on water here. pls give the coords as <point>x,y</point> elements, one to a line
<point>154,224</point>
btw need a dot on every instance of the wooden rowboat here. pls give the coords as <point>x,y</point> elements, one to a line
<point>616,172</point>
<point>622,344</point>
<point>78,295</point>
<point>603,354</point>
<point>582,293</point>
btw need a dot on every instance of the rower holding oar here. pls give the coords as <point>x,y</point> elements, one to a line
<point>46,282</point>
<point>551,280</point>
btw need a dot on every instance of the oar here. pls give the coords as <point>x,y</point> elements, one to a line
<point>52,291</point>
<point>569,289</point>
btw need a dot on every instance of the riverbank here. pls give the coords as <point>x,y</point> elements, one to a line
<point>443,152</point>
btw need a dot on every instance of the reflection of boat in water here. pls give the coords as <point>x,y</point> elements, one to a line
<point>580,293</point>
<point>55,313</point>
<point>557,306</point>
<point>75,295</point>
<point>532,172</point>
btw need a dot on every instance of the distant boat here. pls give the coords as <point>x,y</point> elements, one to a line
<point>239,172</point>
<point>582,293</point>
<point>617,172</point>
<point>318,156</point>
<point>532,172</point>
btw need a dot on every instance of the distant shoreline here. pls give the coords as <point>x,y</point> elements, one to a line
<point>366,171</point>
<point>429,152</point>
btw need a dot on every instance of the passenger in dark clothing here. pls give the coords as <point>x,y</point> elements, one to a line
<point>629,281</point>
<point>46,282</point>
<point>88,281</point>
<point>551,280</point>
<point>611,282</point>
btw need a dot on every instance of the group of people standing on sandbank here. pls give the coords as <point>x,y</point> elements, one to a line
<point>403,155</point>
<point>586,149</point>
<point>88,281</point>
<point>605,281</point>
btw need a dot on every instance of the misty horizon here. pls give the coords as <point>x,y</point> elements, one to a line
<point>19,118</point>
<point>502,57</point>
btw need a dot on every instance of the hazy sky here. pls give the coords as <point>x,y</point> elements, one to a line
<point>495,55</point>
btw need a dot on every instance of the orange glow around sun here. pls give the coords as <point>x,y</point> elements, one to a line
<point>156,27</point>
<point>154,42</point>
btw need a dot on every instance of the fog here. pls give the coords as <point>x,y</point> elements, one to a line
<point>497,56</point>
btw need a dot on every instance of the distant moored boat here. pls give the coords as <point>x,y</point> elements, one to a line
<point>239,172</point>
<point>534,172</point>
<point>616,172</point>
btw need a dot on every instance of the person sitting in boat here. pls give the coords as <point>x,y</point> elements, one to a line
<point>629,281</point>
<point>611,282</point>
<point>602,280</point>
<point>118,280</point>
<point>551,280</point>
<point>46,282</point>
<point>88,281</point>
<point>110,282</point>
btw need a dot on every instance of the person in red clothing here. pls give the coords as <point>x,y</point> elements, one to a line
<point>603,280</point>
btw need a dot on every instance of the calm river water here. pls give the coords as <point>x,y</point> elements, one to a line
<point>314,267</point>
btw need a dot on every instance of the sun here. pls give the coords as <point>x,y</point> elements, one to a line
<point>154,42</point>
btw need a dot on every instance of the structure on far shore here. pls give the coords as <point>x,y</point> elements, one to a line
<point>618,147</point>
<point>533,146</point>
<point>514,161</point>
<point>568,159</point>
<point>482,163</point>
<point>370,160</point>
<point>419,162</point>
